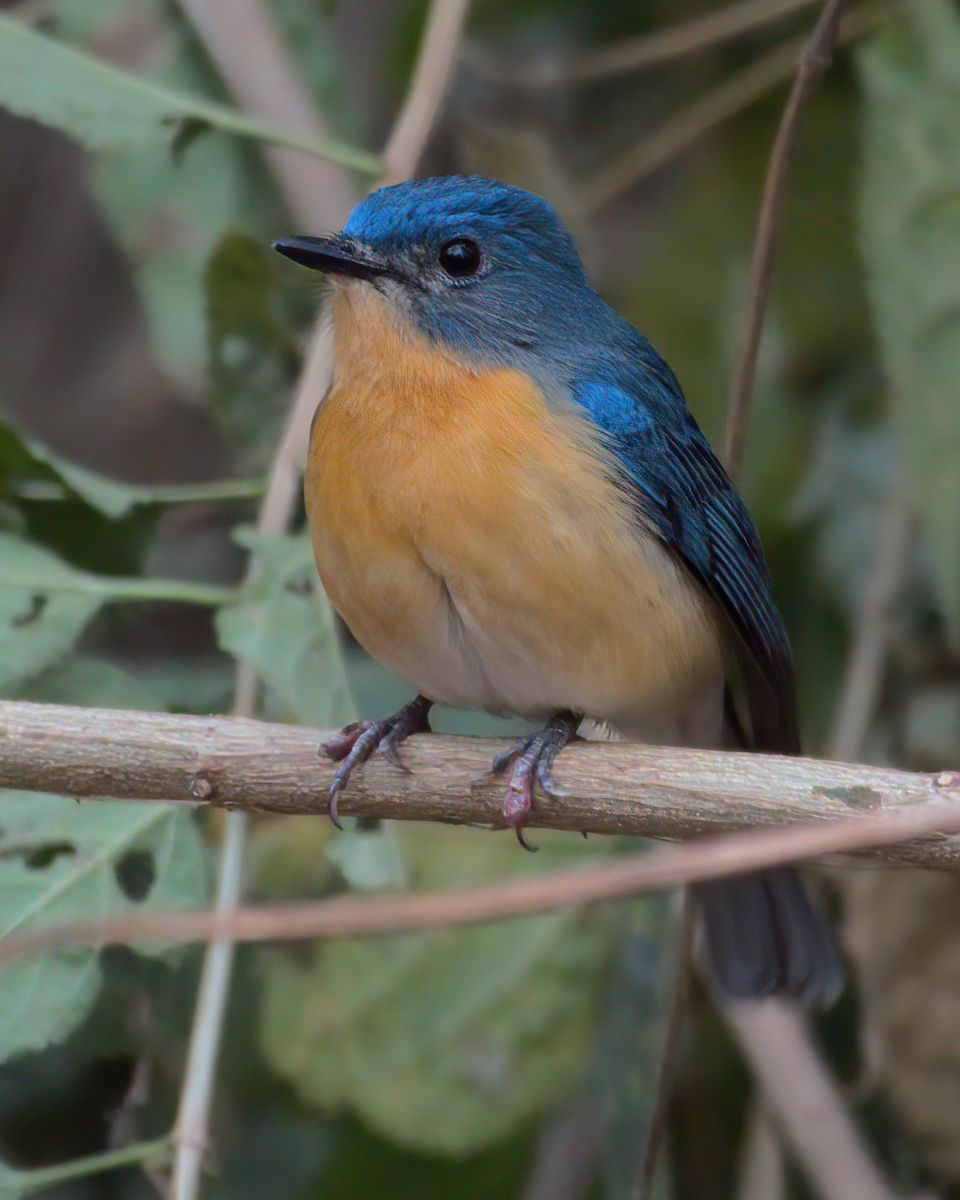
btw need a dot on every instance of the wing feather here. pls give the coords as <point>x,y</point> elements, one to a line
<point>681,490</point>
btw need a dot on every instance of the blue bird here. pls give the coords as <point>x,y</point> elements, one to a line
<point>511,507</point>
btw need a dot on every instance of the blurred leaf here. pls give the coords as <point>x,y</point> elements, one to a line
<point>846,489</point>
<point>444,1041</point>
<point>253,357</point>
<point>370,859</point>
<point>32,571</point>
<point>165,214</point>
<point>12,1185</point>
<point>102,106</point>
<point>62,507</point>
<point>360,1162</point>
<point>23,467</point>
<point>630,1044</point>
<point>36,626</point>
<point>115,499</point>
<point>167,217</point>
<point>77,679</point>
<point>284,625</point>
<point>61,860</point>
<point>910,218</point>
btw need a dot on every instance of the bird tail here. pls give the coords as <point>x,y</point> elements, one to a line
<point>764,936</point>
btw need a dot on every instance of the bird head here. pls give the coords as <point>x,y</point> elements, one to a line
<point>481,269</point>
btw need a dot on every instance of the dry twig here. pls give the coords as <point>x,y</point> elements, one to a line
<point>353,915</point>
<point>431,75</point>
<point>680,132</point>
<point>242,39</point>
<point>804,1101</point>
<point>648,50</point>
<point>813,64</point>
<point>761,1175</point>
<point>671,1054</point>
<point>244,43</point>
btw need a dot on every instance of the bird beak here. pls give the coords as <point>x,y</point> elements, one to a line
<point>334,254</point>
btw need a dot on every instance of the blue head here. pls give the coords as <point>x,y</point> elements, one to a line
<point>483,269</point>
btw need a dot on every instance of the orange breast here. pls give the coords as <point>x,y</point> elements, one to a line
<point>471,538</point>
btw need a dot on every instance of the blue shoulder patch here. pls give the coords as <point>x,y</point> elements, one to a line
<point>612,408</point>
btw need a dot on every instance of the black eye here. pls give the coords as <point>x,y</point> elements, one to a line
<point>460,258</point>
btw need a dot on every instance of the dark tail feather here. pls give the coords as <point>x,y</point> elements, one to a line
<point>763,936</point>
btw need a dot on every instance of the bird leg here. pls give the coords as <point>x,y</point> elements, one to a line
<point>357,741</point>
<point>532,759</point>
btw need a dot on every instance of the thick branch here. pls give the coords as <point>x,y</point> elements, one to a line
<point>613,787</point>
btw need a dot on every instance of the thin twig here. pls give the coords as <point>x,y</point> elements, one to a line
<point>431,75</point>
<point>275,512</point>
<point>353,915</point>
<point>813,64</point>
<point>241,37</point>
<point>648,50</point>
<point>761,1175</point>
<point>804,1101</point>
<point>671,1054</point>
<point>190,1131</point>
<point>864,673</point>
<point>568,1147</point>
<point>244,43</point>
<point>741,90</point>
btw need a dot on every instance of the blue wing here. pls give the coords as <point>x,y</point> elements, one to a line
<point>681,490</point>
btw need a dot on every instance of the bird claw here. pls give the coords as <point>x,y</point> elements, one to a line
<point>506,757</point>
<point>339,747</point>
<point>358,740</point>
<point>532,759</point>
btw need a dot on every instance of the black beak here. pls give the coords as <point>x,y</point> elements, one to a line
<point>334,254</point>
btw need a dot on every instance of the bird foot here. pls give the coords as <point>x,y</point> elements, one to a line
<point>356,742</point>
<point>532,759</point>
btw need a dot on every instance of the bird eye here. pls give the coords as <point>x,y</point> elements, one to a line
<point>460,258</point>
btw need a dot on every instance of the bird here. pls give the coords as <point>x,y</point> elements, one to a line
<point>511,506</point>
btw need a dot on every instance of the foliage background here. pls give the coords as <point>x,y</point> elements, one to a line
<point>148,336</point>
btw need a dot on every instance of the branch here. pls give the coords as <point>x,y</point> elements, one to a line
<point>355,915</point>
<point>648,791</point>
<point>647,50</point>
<point>804,1101</point>
<point>428,86</point>
<point>678,133</point>
<point>813,65</point>
<point>244,43</point>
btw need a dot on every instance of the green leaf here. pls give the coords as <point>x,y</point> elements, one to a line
<point>102,106</point>
<point>115,499</point>
<point>910,236</point>
<point>29,569</point>
<point>29,470</point>
<point>254,358</point>
<point>14,1184</point>
<point>37,625</point>
<point>60,860</point>
<point>444,1041</point>
<point>284,625</point>
<point>78,679</point>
